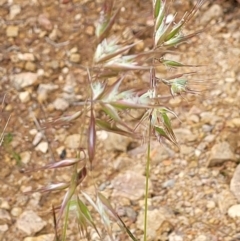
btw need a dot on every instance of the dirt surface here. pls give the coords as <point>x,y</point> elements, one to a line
<point>51,43</point>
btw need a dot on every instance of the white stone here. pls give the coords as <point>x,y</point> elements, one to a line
<point>30,223</point>
<point>14,11</point>
<point>44,22</point>
<point>116,142</point>
<point>159,153</point>
<point>220,153</point>
<point>202,238</point>
<point>235,122</point>
<point>197,153</point>
<point>33,132</point>
<point>46,87</point>
<point>102,135</point>
<point>75,58</point>
<point>45,237</point>
<point>25,157</point>
<point>230,80</point>
<point>235,183</point>
<point>23,80</point>
<point>73,50</point>
<point>210,138</point>
<point>35,200</point>
<point>4,204</point>
<point>121,162</point>
<point>234,211</point>
<point>186,150</point>
<point>209,118</point>
<point>12,31</point>
<point>43,91</point>
<point>37,138</point>
<point>3,228</point>
<point>26,57</point>
<point>60,104</point>
<point>65,70</point>
<point>4,216</point>
<point>194,118</point>
<point>73,141</point>
<point>16,211</point>
<point>184,135</point>
<point>156,219</point>
<point>214,12</point>
<point>60,149</point>
<point>175,237</point>
<point>42,146</point>
<point>55,34</point>
<point>169,183</point>
<point>30,66</point>
<point>24,96</point>
<point>211,204</point>
<point>77,17</point>
<point>129,185</point>
<point>40,72</point>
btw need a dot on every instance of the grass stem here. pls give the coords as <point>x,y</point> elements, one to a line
<point>147,181</point>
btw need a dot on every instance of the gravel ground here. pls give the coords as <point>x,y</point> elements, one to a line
<point>194,191</point>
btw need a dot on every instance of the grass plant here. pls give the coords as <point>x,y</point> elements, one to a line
<point>112,62</point>
<point>3,124</point>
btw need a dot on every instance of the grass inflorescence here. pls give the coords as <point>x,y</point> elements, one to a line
<point>113,60</point>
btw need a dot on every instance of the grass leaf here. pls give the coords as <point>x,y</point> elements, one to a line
<point>106,204</point>
<point>91,137</point>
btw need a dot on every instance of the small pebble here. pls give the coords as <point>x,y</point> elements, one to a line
<point>12,31</point>
<point>211,204</point>
<point>168,184</point>
<point>30,66</point>
<point>14,11</point>
<point>25,157</point>
<point>24,96</point>
<point>37,138</point>
<point>16,211</point>
<point>43,147</point>
<point>60,104</point>
<point>75,58</point>
<point>4,204</point>
<point>234,211</point>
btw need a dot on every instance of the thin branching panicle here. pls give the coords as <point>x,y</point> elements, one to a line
<point>111,63</point>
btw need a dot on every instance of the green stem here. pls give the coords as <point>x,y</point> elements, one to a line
<point>147,182</point>
<point>65,222</point>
